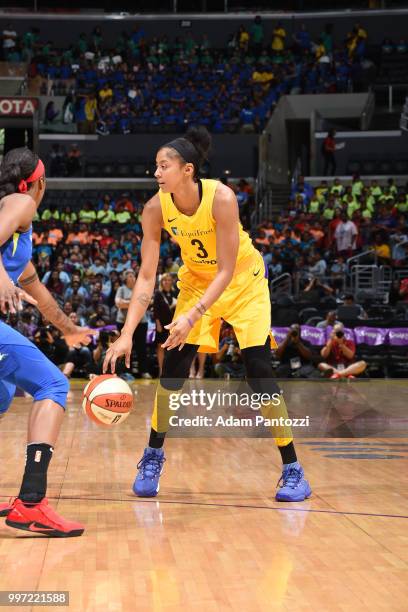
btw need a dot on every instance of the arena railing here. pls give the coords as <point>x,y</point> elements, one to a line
<point>283,282</point>
<point>400,274</point>
<point>100,184</point>
<point>368,112</point>
<point>356,259</point>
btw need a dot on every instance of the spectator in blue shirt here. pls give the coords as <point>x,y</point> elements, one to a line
<point>303,38</point>
<point>247,117</point>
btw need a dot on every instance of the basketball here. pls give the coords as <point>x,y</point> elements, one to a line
<point>107,400</point>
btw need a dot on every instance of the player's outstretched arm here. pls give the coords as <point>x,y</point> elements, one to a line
<point>73,334</point>
<point>152,222</point>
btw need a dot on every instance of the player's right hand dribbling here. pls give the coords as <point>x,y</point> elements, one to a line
<point>11,297</point>
<point>121,346</point>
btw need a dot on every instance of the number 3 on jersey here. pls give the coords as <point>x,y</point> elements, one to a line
<point>201,250</point>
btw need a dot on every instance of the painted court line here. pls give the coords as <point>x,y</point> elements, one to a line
<point>218,505</point>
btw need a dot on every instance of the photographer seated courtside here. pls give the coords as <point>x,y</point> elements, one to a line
<point>339,353</point>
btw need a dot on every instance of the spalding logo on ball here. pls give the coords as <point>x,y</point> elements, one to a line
<point>107,400</point>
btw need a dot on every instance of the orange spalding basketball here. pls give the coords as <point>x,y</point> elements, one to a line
<point>107,400</point>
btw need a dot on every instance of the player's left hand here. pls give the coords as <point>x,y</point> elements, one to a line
<point>80,334</point>
<point>179,330</point>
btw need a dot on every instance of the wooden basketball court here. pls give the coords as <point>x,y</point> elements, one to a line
<point>214,538</point>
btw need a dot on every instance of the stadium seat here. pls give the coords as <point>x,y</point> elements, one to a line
<point>108,169</point>
<point>376,358</point>
<point>348,312</point>
<point>401,310</point>
<point>313,321</point>
<point>369,167</point>
<point>353,167</point>
<point>138,169</point>
<point>380,312</point>
<point>123,169</point>
<point>285,316</point>
<point>385,167</point>
<point>307,313</point>
<point>398,361</point>
<point>92,168</point>
<point>400,166</point>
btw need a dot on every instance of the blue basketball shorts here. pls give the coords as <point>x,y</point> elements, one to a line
<point>22,364</point>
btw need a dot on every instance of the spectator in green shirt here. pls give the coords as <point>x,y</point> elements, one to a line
<point>366,212</point>
<point>328,212</point>
<point>86,214</point>
<point>402,203</point>
<point>376,190</point>
<point>392,187</point>
<point>371,202</point>
<point>347,192</point>
<point>337,187</point>
<point>122,215</point>
<point>327,38</point>
<point>352,205</point>
<point>82,43</point>
<point>386,196</point>
<point>50,213</point>
<point>257,35</point>
<point>314,205</point>
<point>68,215</point>
<point>106,214</point>
<point>357,185</point>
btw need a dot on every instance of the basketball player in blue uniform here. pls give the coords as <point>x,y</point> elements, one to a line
<point>22,364</point>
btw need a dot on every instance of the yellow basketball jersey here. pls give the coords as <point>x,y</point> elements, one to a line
<point>196,236</point>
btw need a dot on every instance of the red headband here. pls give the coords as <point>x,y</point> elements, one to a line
<point>38,173</point>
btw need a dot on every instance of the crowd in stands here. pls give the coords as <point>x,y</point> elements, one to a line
<point>89,257</point>
<point>323,226</point>
<point>160,84</point>
<point>311,241</point>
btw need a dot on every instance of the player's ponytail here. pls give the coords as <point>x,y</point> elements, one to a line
<point>201,139</point>
<point>17,164</point>
<point>193,148</point>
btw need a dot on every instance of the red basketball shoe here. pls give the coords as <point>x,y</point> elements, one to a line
<point>5,508</point>
<point>41,518</point>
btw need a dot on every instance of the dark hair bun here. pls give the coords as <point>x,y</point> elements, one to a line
<point>10,177</point>
<point>200,137</point>
<point>17,164</point>
<point>13,172</point>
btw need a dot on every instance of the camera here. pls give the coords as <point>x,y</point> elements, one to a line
<point>230,350</point>
<point>339,334</point>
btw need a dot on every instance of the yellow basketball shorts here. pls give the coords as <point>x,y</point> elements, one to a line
<point>245,305</point>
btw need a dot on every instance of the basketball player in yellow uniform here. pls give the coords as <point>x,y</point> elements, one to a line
<point>223,277</point>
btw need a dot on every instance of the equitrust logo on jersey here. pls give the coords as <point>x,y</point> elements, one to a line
<point>197,232</point>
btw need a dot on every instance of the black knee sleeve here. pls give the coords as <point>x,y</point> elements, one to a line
<point>176,366</point>
<point>257,361</point>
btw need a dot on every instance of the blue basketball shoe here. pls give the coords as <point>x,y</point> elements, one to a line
<point>150,468</point>
<point>294,487</point>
